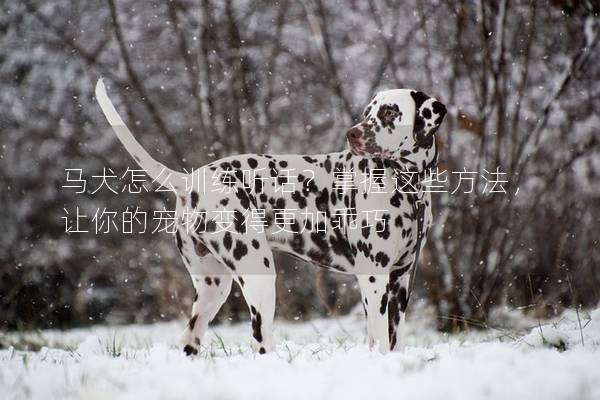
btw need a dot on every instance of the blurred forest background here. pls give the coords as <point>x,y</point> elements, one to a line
<point>202,79</point>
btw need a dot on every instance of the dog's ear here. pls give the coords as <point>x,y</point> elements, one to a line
<point>429,114</point>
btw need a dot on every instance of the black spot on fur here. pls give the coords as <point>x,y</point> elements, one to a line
<point>419,98</point>
<point>439,109</point>
<point>396,199</point>
<point>299,198</point>
<point>322,201</point>
<point>383,227</point>
<point>363,248</point>
<point>211,226</point>
<point>387,114</point>
<point>179,241</point>
<point>240,250</point>
<point>398,221</point>
<point>266,262</point>
<point>194,196</point>
<point>366,230</point>
<point>239,221</point>
<point>192,322</point>
<point>403,297</point>
<point>383,306</point>
<point>393,319</point>
<point>382,258</point>
<point>258,184</point>
<point>255,244</point>
<point>244,199</point>
<point>280,203</point>
<point>227,241</point>
<point>363,165</point>
<point>318,238</point>
<point>208,280</point>
<point>340,246</point>
<point>366,112</point>
<point>252,163</point>
<point>229,263</point>
<point>397,273</point>
<point>256,327</point>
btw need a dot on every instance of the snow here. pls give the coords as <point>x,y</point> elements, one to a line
<point>325,358</point>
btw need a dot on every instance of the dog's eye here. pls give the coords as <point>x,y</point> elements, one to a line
<point>388,114</point>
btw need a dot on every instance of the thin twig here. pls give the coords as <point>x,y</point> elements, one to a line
<point>576,309</point>
<point>139,87</point>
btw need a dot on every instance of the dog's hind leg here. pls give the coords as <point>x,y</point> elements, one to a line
<point>255,273</point>
<point>245,253</point>
<point>259,292</point>
<point>212,284</point>
<point>249,258</point>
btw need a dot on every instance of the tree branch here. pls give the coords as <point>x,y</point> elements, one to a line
<point>139,87</point>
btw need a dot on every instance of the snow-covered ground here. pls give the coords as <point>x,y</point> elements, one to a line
<point>314,360</point>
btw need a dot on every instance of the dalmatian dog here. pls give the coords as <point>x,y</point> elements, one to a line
<point>326,222</point>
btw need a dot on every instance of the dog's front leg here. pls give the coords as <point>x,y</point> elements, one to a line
<point>374,292</point>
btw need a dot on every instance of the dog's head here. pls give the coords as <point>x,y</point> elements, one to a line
<point>397,124</point>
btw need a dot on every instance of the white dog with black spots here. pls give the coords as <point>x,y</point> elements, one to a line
<point>395,139</point>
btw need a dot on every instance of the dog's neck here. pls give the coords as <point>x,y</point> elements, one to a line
<point>422,160</point>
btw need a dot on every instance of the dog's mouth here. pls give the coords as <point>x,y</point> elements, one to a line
<point>356,147</point>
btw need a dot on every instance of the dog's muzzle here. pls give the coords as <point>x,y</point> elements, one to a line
<point>355,136</point>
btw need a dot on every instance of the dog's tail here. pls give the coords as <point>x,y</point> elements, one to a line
<point>165,176</point>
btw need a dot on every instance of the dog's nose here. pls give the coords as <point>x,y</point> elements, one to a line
<point>354,134</point>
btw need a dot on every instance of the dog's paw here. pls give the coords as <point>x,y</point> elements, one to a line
<point>262,348</point>
<point>190,350</point>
